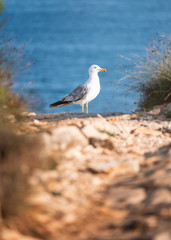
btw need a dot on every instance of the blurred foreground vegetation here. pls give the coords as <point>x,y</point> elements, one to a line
<point>19,154</point>
<point>151,75</point>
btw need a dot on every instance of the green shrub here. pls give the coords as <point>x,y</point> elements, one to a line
<point>151,75</point>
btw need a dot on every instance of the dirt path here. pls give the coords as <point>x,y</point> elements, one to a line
<point>109,178</point>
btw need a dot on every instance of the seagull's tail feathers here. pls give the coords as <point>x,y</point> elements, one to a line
<point>60,104</point>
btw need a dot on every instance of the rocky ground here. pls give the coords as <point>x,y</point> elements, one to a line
<point>109,179</point>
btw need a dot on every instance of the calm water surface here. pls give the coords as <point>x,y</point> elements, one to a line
<point>66,36</point>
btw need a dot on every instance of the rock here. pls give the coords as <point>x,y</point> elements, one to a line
<point>155,111</point>
<point>160,109</point>
<point>126,196</point>
<point>67,136</point>
<point>104,167</point>
<point>31,114</point>
<point>146,131</point>
<point>63,138</point>
<point>8,234</point>
<point>161,196</point>
<point>115,167</point>
<point>96,142</point>
<point>163,236</point>
<point>91,132</point>
<point>37,122</point>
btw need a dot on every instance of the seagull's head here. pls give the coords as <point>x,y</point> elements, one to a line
<point>96,69</point>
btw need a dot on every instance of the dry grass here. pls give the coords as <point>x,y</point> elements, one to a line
<point>151,75</point>
<point>19,157</point>
<point>19,154</point>
<point>12,63</point>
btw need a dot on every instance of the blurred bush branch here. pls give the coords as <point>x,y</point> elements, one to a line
<point>151,75</point>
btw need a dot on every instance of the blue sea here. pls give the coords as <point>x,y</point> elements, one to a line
<point>65,37</point>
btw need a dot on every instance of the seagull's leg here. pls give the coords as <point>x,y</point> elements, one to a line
<point>86,107</point>
<point>82,107</point>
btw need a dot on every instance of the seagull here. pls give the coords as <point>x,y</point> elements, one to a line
<point>85,92</point>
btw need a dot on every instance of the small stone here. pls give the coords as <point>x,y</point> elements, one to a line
<point>8,234</point>
<point>37,122</point>
<point>92,132</point>
<point>126,195</point>
<point>146,131</point>
<point>151,221</point>
<point>31,114</point>
<point>155,111</point>
<point>104,167</point>
<point>65,137</point>
<point>96,142</point>
<point>161,196</point>
<point>163,236</point>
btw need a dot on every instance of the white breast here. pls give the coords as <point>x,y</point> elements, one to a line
<point>94,89</point>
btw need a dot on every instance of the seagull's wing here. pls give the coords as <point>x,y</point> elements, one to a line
<point>76,95</point>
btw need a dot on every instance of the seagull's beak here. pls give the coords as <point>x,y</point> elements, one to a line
<point>103,69</point>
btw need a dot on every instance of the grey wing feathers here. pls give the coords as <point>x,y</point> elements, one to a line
<point>77,94</point>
